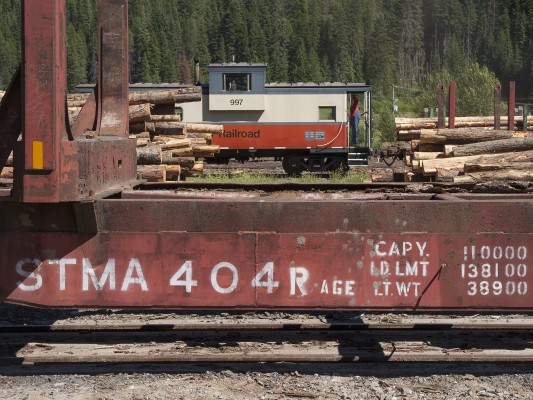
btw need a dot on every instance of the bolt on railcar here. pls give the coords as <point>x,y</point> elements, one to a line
<point>305,125</point>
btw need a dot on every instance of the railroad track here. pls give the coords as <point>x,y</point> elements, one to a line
<point>264,343</point>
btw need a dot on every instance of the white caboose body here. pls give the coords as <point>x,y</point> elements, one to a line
<point>306,125</point>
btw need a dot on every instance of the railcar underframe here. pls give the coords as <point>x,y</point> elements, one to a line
<point>79,230</point>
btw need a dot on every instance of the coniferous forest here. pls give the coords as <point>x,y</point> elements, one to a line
<point>410,44</point>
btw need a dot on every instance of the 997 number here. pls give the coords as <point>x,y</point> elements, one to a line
<point>236,102</point>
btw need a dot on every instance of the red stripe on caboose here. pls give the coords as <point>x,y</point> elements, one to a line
<point>291,136</point>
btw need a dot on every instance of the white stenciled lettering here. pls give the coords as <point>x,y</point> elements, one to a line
<point>214,277</point>
<point>325,288</point>
<point>98,284</point>
<point>383,249</point>
<point>26,286</point>
<point>188,282</point>
<point>269,282</point>
<point>62,263</point>
<point>299,277</point>
<point>381,288</point>
<point>337,287</point>
<point>134,266</point>
<point>404,288</point>
<point>407,268</point>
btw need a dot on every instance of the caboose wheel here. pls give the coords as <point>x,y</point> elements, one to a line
<point>292,165</point>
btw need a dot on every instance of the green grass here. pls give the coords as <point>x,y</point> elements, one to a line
<point>246,177</point>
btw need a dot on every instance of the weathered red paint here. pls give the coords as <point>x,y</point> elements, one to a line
<point>451,105</point>
<point>301,258</point>
<point>285,135</point>
<point>511,106</point>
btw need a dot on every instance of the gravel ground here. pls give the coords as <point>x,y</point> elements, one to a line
<point>257,381</point>
<point>281,381</point>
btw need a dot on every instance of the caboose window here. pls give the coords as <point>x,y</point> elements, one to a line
<point>327,113</point>
<point>237,83</point>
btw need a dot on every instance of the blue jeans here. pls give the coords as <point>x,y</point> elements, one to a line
<point>354,122</point>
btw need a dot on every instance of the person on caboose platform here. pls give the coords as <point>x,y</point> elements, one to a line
<point>355,117</point>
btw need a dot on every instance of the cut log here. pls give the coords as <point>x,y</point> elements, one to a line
<point>175,144</point>
<point>466,135</point>
<point>446,175</point>
<point>494,146</point>
<point>206,136</point>
<point>427,155</point>
<point>429,167</point>
<point>198,168</point>
<point>501,175</point>
<point>152,173</point>
<point>140,135</point>
<point>166,128</point>
<point>207,149</point>
<point>184,162</point>
<point>432,147</point>
<point>198,142</point>
<point>183,152</point>
<point>165,118</point>
<point>139,112</point>
<point>141,141</point>
<point>6,173</point>
<point>173,172</point>
<point>205,128</point>
<point>184,95</point>
<point>408,134</point>
<point>149,155</point>
<point>460,122</point>
<point>480,167</point>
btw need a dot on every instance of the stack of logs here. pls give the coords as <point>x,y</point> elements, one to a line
<point>470,153</point>
<point>167,149</point>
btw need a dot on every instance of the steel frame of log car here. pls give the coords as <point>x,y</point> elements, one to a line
<point>303,124</point>
<point>79,230</point>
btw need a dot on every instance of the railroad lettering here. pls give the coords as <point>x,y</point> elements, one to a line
<point>339,287</point>
<point>398,268</point>
<point>33,279</point>
<point>407,288</point>
<point>37,278</point>
<point>88,272</point>
<point>234,133</point>
<point>299,277</point>
<point>403,249</point>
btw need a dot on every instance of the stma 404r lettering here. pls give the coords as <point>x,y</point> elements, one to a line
<point>31,272</point>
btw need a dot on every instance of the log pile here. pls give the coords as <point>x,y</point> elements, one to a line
<point>167,149</point>
<point>409,128</point>
<point>468,154</point>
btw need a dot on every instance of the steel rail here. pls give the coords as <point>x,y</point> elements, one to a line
<point>261,357</point>
<point>292,326</point>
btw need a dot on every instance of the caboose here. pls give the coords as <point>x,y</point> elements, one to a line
<point>305,125</point>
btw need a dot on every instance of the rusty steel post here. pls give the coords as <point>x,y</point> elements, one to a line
<point>441,120</point>
<point>451,106</point>
<point>497,105</point>
<point>113,67</point>
<point>510,111</point>
<point>44,98</point>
